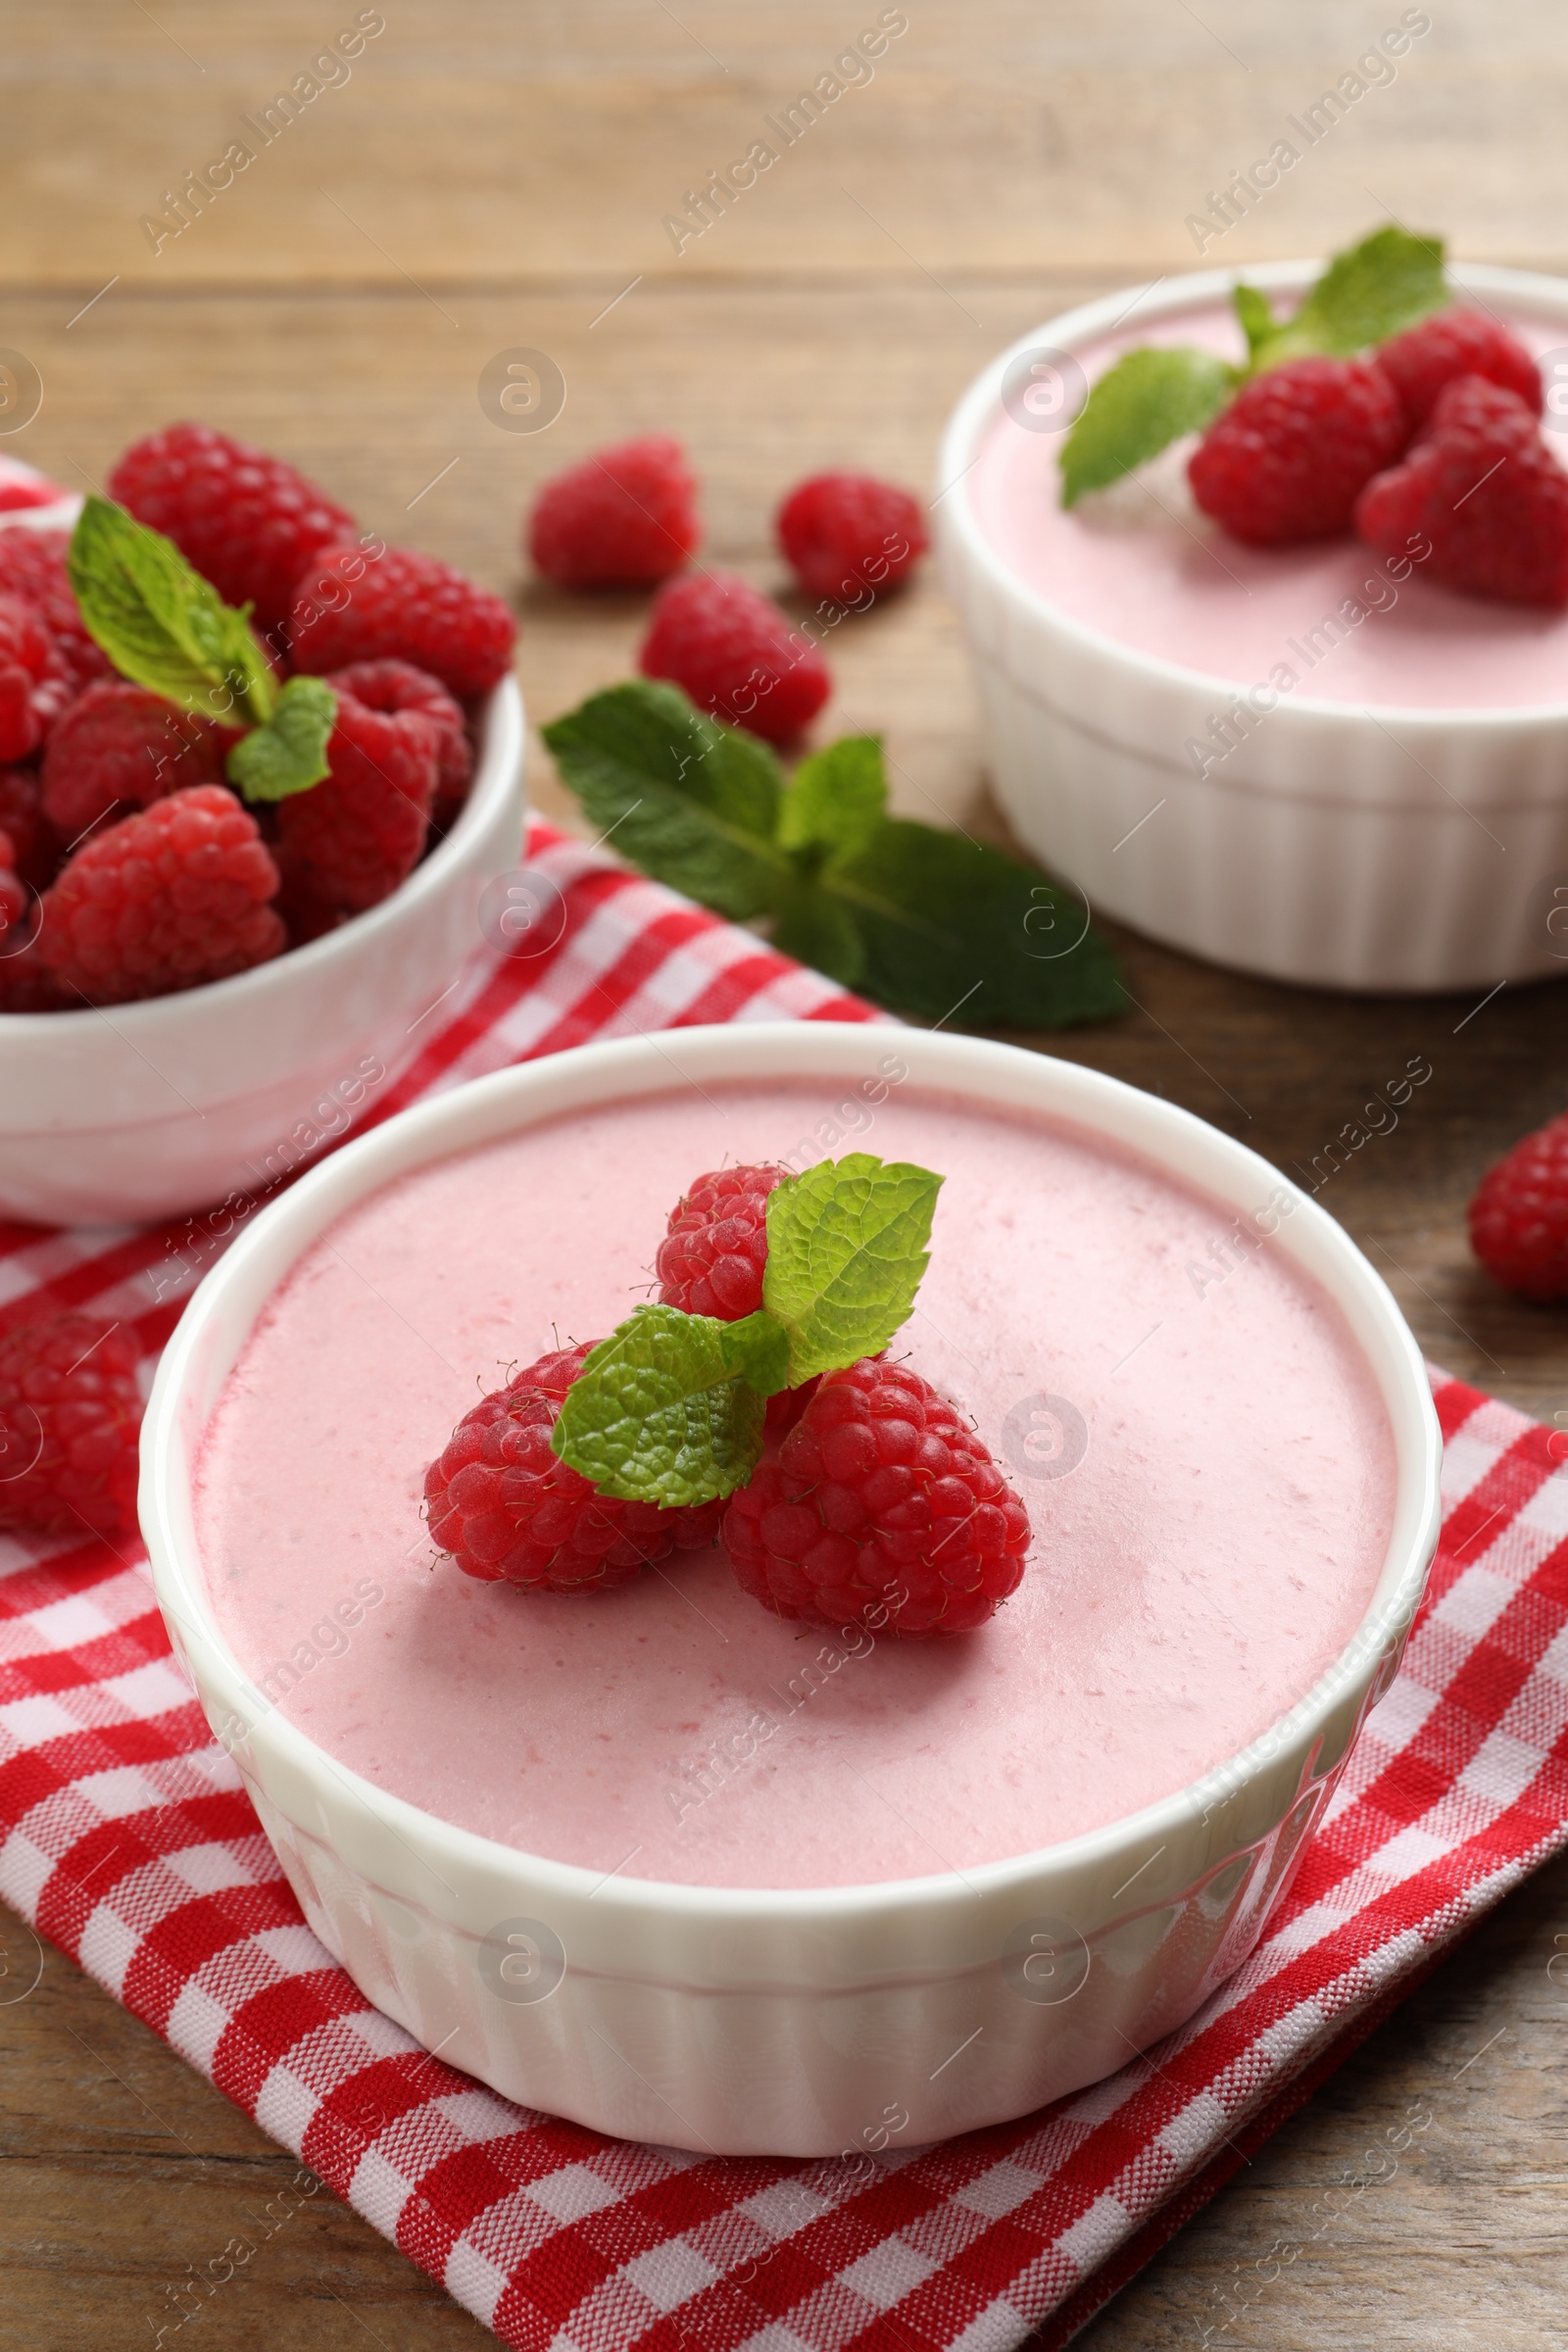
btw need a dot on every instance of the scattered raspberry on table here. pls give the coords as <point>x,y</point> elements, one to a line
<point>508,1509</point>
<point>1287,459</point>
<point>70,1413</point>
<point>249,523</point>
<point>735,654</point>
<point>1519,1216</point>
<point>350,606</point>
<point>179,894</point>
<point>1430,355</point>
<point>849,536</point>
<point>623,518</point>
<point>883,1507</point>
<point>1484,489</point>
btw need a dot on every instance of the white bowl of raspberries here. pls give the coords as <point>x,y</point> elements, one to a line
<point>256,769</point>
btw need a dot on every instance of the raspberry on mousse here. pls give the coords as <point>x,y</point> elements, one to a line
<point>1287,459</point>
<point>1482,487</point>
<point>883,1508</point>
<point>508,1509</point>
<point>1427,357</point>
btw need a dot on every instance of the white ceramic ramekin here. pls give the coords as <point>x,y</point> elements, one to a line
<point>1322,850</point>
<point>152,1109</point>
<point>787,2023</point>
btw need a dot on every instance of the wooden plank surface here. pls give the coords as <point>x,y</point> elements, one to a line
<point>494,179</point>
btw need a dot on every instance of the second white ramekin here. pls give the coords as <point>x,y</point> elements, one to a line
<point>1429,852</point>
<point>742,2021</point>
<point>150,1110</point>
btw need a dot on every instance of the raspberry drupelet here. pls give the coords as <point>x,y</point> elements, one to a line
<point>510,1510</point>
<point>883,1508</point>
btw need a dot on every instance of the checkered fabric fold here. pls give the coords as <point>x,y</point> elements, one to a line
<point>127,1839</point>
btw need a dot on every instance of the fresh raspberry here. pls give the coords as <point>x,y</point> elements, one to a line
<point>349,841</point>
<point>120,745</point>
<point>1519,1216</point>
<point>1484,489</point>
<point>32,565</point>
<point>712,1259</point>
<point>1288,457</point>
<point>846,533</point>
<point>350,605</point>
<point>31,836</point>
<point>12,893</point>
<point>26,986</point>
<point>70,1410</point>
<point>22,486</point>
<point>33,686</point>
<point>177,895</point>
<point>1425,357</point>
<point>735,654</point>
<point>881,1500</point>
<point>624,517</point>
<point>394,686</point>
<point>507,1508</point>
<point>249,523</point>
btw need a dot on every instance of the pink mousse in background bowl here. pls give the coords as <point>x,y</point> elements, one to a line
<point>1309,762</point>
<point>658,1861</point>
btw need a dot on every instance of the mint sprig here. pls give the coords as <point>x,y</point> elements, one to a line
<point>161,623</point>
<point>670,1408</point>
<point>846,1252</point>
<point>923,920</point>
<point>287,755</point>
<point>1155,394</point>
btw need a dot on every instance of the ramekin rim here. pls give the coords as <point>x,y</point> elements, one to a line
<point>966,542</point>
<point>503,725</point>
<point>1412,1418</point>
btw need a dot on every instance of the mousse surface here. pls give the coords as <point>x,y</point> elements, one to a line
<point>1139,563</point>
<point>1207,1556</point>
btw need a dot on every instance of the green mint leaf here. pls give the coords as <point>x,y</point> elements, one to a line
<point>1258,320</point>
<point>1366,294</point>
<point>290,754</point>
<point>690,802</point>
<point>757,1350</point>
<point>657,1413</point>
<point>847,1246</point>
<point>835,800</point>
<point>161,623</point>
<point>951,929</point>
<point>1149,399</point>
<point>817,926</point>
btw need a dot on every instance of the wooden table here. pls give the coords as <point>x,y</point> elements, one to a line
<point>499,178</point>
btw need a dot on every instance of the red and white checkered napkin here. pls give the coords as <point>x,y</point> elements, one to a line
<point>125,1838</point>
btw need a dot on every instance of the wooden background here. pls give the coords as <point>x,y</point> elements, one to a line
<point>495,175</point>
